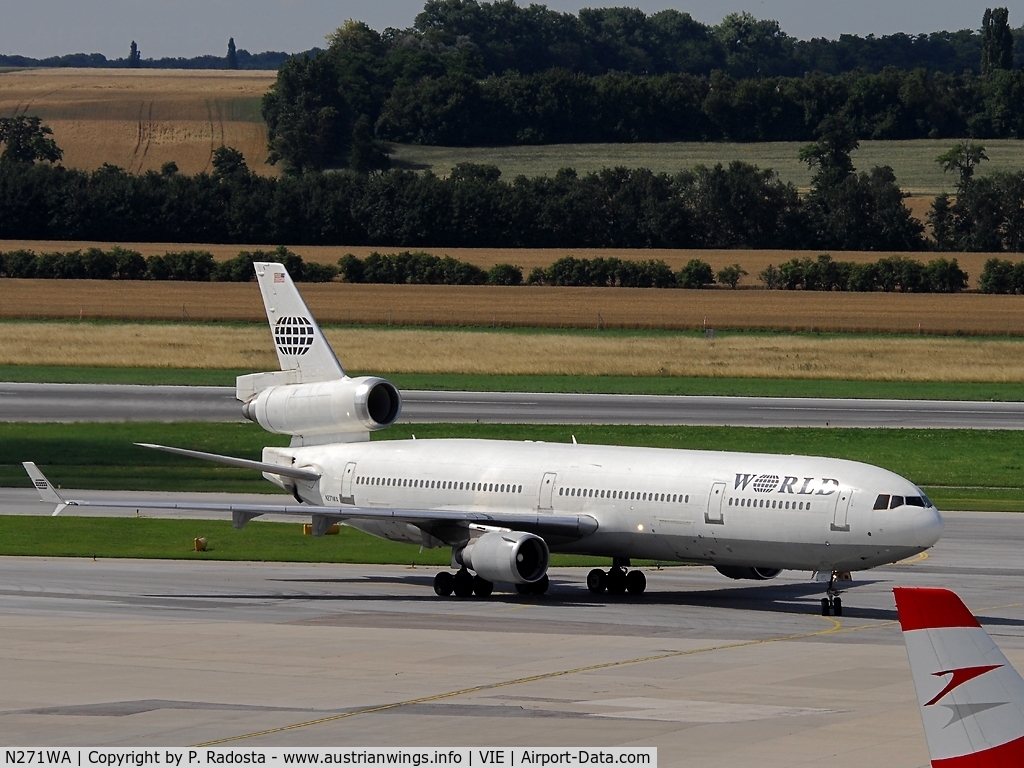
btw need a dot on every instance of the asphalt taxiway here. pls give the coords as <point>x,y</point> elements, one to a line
<point>110,402</point>
<point>712,672</point>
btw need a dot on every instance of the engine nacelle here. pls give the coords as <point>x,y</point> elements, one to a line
<point>743,572</point>
<point>326,407</point>
<point>507,556</point>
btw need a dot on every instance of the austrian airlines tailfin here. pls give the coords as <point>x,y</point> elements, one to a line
<point>971,698</point>
<point>301,346</point>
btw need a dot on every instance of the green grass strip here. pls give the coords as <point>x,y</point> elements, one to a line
<point>639,385</point>
<point>130,537</point>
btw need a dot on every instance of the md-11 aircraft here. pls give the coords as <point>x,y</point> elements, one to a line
<point>504,506</point>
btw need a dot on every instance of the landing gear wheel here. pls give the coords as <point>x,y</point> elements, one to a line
<point>597,581</point>
<point>444,583</point>
<point>482,587</point>
<point>616,581</point>
<point>636,582</point>
<point>538,587</point>
<point>463,586</point>
<point>825,606</point>
<point>837,607</point>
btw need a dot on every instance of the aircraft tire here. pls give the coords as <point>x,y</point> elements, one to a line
<point>463,584</point>
<point>444,583</point>
<point>636,582</point>
<point>597,581</point>
<point>616,581</point>
<point>482,587</point>
<point>824,606</point>
<point>538,587</point>
<point>837,607</point>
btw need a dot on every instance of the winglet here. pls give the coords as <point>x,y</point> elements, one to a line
<point>45,487</point>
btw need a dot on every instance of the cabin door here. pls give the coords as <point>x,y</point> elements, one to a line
<point>841,518</point>
<point>547,490</point>
<point>715,500</point>
<point>347,482</point>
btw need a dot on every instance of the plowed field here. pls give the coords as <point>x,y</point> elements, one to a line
<point>975,314</point>
<point>140,119</point>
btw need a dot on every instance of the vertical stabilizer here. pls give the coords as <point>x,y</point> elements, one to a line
<point>971,698</point>
<point>300,344</point>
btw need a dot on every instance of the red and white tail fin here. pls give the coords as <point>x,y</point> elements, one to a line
<point>971,698</point>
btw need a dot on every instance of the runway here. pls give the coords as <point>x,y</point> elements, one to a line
<point>710,671</point>
<point>105,402</point>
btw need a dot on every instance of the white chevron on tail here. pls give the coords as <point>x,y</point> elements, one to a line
<point>971,698</point>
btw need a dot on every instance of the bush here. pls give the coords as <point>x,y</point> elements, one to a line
<point>997,276</point>
<point>731,275</point>
<point>195,266</point>
<point>696,274</point>
<point>505,274</point>
<point>351,268</point>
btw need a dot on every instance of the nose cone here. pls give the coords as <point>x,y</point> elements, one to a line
<point>927,527</point>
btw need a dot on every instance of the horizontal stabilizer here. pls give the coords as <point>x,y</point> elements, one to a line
<point>231,461</point>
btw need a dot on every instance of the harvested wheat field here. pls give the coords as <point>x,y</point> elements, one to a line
<point>140,119</point>
<point>753,261</point>
<point>190,345</point>
<point>342,303</point>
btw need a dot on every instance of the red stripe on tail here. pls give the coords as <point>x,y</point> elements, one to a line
<point>1003,756</point>
<point>931,608</point>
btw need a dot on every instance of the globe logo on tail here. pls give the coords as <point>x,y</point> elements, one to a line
<point>293,335</point>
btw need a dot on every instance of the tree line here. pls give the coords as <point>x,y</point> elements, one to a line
<point>125,264</point>
<point>472,73</point>
<point>733,206</point>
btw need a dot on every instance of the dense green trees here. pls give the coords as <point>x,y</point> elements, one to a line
<point>471,73</point>
<point>892,273</point>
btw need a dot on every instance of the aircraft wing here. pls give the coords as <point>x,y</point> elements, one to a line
<point>434,521</point>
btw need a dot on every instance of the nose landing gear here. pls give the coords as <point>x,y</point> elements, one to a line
<point>833,604</point>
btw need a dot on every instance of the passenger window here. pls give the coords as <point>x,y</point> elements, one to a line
<point>882,502</point>
<point>687,498</point>
<point>897,501</point>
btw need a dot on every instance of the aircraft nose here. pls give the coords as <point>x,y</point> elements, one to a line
<point>927,527</point>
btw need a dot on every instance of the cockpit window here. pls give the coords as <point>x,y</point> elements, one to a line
<point>895,501</point>
<point>915,501</point>
<point>882,502</point>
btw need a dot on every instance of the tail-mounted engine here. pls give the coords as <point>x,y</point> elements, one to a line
<point>338,407</point>
<point>753,574</point>
<point>507,556</point>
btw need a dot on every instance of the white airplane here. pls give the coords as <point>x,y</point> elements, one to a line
<point>971,698</point>
<point>504,506</point>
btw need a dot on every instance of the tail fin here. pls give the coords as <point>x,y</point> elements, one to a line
<point>971,698</point>
<point>300,344</point>
<point>45,488</point>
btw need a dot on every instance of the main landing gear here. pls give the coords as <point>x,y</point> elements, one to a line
<point>833,603</point>
<point>617,580</point>
<point>464,584</point>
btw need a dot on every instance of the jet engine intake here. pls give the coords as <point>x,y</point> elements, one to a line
<point>507,556</point>
<point>743,572</point>
<point>344,405</point>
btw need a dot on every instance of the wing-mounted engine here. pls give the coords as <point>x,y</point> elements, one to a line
<point>507,556</point>
<point>753,574</point>
<point>343,410</point>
